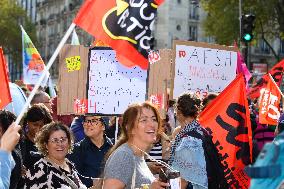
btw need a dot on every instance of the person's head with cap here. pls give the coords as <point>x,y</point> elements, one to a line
<point>94,126</point>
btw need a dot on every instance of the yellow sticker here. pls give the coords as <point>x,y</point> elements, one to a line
<point>73,63</point>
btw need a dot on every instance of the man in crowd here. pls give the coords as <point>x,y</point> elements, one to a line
<point>44,98</point>
<point>88,154</point>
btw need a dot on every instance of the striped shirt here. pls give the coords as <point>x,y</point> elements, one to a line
<point>156,152</point>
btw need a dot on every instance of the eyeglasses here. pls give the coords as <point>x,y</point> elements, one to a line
<point>62,140</point>
<point>92,122</point>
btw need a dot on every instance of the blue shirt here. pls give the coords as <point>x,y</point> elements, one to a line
<point>7,163</point>
<point>89,159</point>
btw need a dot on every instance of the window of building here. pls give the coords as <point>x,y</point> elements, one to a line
<point>264,47</point>
<point>282,46</point>
<point>178,27</point>
<point>192,33</point>
<point>193,12</point>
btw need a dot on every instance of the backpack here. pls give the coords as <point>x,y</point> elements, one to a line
<point>215,170</point>
<point>268,170</point>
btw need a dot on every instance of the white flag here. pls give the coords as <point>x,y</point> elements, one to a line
<point>75,39</point>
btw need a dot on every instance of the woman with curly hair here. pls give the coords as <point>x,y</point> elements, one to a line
<point>53,170</point>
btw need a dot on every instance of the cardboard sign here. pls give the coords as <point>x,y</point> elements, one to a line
<point>111,85</point>
<point>159,79</point>
<point>203,67</point>
<point>71,85</point>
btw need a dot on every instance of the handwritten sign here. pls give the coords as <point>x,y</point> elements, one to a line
<point>203,67</point>
<point>73,63</point>
<point>153,56</point>
<point>112,86</point>
<point>80,106</point>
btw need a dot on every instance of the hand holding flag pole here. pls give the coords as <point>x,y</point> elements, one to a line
<point>48,66</point>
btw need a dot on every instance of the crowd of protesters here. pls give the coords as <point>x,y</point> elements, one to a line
<point>86,151</point>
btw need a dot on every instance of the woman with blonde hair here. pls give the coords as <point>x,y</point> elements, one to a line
<point>126,166</point>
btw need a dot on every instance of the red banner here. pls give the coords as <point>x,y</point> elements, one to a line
<point>227,119</point>
<point>124,25</point>
<point>5,96</point>
<point>269,103</point>
<point>276,73</point>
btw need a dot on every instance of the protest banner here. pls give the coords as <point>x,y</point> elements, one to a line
<point>160,73</point>
<point>276,73</point>
<point>73,65</point>
<point>111,85</point>
<point>202,67</point>
<point>227,119</point>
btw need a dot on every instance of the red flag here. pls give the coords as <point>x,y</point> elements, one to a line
<point>5,96</point>
<point>124,25</point>
<point>269,103</point>
<point>276,73</point>
<point>227,119</point>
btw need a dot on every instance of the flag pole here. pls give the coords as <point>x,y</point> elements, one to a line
<point>275,85</point>
<point>45,71</point>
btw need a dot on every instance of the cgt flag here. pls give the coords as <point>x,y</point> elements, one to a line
<point>269,103</point>
<point>125,25</point>
<point>276,73</point>
<point>227,119</point>
<point>5,95</point>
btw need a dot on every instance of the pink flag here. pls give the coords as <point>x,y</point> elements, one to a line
<point>242,68</point>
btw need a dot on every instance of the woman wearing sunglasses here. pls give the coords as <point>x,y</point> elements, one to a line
<point>53,170</point>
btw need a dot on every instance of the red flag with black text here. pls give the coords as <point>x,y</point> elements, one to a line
<point>227,118</point>
<point>125,25</point>
<point>269,103</point>
<point>276,73</point>
<point>5,95</point>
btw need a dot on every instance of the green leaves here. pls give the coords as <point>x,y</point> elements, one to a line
<point>223,19</point>
<point>11,15</point>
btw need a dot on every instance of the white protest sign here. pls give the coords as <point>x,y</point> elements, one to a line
<point>112,86</point>
<point>203,67</point>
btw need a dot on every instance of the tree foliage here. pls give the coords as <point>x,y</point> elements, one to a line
<point>222,21</point>
<point>11,15</point>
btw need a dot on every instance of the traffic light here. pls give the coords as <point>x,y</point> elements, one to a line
<point>247,27</point>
